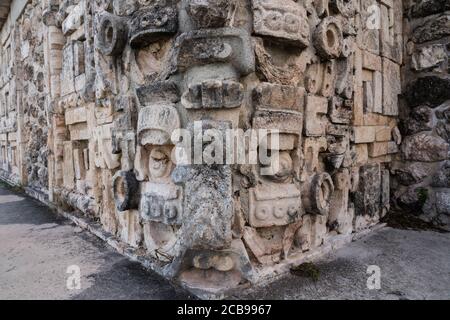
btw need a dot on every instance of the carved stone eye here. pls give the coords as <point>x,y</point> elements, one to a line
<point>159,164</point>
<point>292,24</point>
<point>279,212</point>
<point>263,212</point>
<point>274,21</point>
<point>292,211</point>
<point>155,210</point>
<point>170,212</point>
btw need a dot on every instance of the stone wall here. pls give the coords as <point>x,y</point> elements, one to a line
<point>104,85</point>
<point>422,176</point>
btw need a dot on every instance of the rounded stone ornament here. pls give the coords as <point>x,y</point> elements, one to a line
<point>322,191</point>
<point>112,35</point>
<point>328,38</point>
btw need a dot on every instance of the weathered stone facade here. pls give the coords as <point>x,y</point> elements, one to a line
<point>92,92</point>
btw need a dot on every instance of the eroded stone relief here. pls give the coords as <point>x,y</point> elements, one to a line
<point>113,80</point>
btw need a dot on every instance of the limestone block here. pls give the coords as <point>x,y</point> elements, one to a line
<point>372,61</point>
<point>271,206</point>
<point>285,122</point>
<point>391,30</point>
<point>340,217</point>
<point>383,134</point>
<point>391,87</point>
<point>344,77</point>
<point>366,134</point>
<point>225,45</point>
<point>79,131</point>
<point>77,115</point>
<point>367,198</point>
<point>318,231</point>
<point>79,164</point>
<point>214,94</point>
<point>321,78</point>
<point>302,238</point>
<point>372,92</point>
<point>78,58</point>
<point>311,149</point>
<point>283,21</point>
<point>68,167</point>
<point>157,92</point>
<point>68,74</point>
<point>268,96</point>
<point>208,211</point>
<point>267,250</point>
<point>108,217</point>
<point>104,156</point>
<point>74,20</point>
<point>378,149</point>
<point>315,116</point>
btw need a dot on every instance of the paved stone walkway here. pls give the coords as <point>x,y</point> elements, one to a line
<point>36,249</point>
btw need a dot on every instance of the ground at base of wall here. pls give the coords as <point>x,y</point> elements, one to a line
<point>37,248</point>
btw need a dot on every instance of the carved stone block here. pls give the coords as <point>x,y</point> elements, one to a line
<point>283,21</point>
<point>214,94</point>
<point>279,208</point>
<point>153,23</point>
<point>156,124</point>
<point>315,116</point>
<point>162,203</point>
